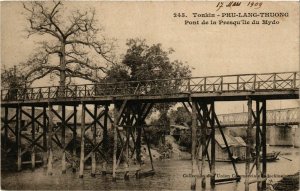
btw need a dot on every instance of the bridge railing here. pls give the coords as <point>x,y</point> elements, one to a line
<point>209,84</point>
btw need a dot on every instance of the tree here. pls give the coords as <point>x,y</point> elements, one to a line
<point>11,78</point>
<point>71,46</point>
<point>180,116</point>
<point>144,62</point>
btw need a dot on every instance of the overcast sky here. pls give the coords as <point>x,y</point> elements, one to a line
<point>211,50</point>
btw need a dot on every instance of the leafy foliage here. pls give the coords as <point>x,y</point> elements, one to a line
<point>144,62</point>
<point>180,116</point>
<point>11,78</point>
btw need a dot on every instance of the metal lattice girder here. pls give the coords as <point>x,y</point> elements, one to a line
<point>267,82</point>
<point>287,116</point>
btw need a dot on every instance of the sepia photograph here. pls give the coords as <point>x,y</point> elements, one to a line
<point>150,95</point>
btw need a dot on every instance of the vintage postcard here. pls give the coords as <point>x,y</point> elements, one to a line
<point>150,95</point>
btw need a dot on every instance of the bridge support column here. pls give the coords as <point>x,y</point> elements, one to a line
<point>194,141</point>
<point>258,145</point>
<point>45,157</point>
<point>18,137</point>
<point>260,148</point>
<point>131,120</point>
<point>93,152</point>
<point>259,116</point>
<point>205,114</point>
<point>127,120</point>
<point>249,145</point>
<point>213,149</point>
<point>105,139</point>
<point>264,144</point>
<point>63,139</point>
<point>93,148</point>
<point>5,126</point>
<point>81,167</point>
<point>8,126</point>
<point>115,126</point>
<point>33,137</point>
<point>74,130</point>
<point>50,134</point>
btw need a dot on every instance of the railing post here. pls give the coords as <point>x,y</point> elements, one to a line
<point>237,82</point>
<point>95,89</point>
<point>274,81</point>
<point>32,97</point>
<point>189,85</point>
<point>75,91</point>
<point>294,80</point>
<point>204,84</point>
<point>221,83</point>
<point>254,83</point>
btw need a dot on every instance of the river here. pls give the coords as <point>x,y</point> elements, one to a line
<point>170,175</point>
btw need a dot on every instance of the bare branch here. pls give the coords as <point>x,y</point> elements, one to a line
<point>75,44</point>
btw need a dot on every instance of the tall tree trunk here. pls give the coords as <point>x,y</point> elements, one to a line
<point>62,80</point>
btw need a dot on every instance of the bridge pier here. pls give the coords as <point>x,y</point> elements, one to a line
<point>33,137</point>
<point>74,145</point>
<point>81,167</point>
<point>204,113</point>
<point>5,126</point>
<point>45,132</point>
<point>94,149</point>
<point>49,143</point>
<point>260,118</point>
<point>63,139</point>
<point>105,138</point>
<point>9,128</point>
<point>129,120</point>
<point>18,137</point>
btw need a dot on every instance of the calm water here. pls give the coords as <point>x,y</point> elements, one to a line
<point>169,176</point>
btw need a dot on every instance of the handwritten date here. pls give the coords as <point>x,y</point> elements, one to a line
<point>230,4</point>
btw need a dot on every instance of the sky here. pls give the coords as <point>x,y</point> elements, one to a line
<point>210,49</point>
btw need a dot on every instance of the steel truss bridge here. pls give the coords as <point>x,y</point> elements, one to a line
<point>132,102</point>
<point>286,116</point>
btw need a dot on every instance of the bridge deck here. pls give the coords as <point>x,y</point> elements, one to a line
<point>219,88</point>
